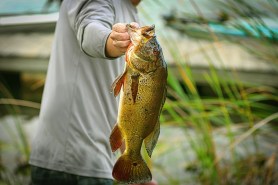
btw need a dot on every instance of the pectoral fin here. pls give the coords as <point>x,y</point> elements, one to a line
<point>116,138</point>
<point>151,140</point>
<point>117,84</point>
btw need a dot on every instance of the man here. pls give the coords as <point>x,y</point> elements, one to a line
<point>78,111</point>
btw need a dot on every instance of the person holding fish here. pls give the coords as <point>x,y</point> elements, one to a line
<point>71,145</point>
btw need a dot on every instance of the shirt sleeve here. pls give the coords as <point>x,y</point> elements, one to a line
<point>92,21</point>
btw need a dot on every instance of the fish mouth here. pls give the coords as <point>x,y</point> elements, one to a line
<point>148,31</point>
<point>138,34</point>
<point>148,28</point>
<point>143,30</point>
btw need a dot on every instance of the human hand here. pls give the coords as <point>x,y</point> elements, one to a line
<point>118,40</point>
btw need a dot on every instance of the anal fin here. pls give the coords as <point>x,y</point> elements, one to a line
<point>151,140</point>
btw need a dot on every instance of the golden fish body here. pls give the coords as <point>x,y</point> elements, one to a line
<point>143,85</point>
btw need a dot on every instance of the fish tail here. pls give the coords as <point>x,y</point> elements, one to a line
<point>132,171</point>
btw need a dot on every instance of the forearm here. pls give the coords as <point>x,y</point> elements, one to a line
<point>94,41</point>
<point>92,22</point>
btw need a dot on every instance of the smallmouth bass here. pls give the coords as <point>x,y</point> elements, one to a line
<point>143,85</point>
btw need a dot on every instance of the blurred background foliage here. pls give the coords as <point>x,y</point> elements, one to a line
<point>252,22</point>
<point>221,130</point>
<point>224,108</point>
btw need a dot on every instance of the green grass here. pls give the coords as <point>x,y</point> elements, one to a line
<point>17,142</point>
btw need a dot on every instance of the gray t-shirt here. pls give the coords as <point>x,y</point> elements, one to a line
<point>78,111</point>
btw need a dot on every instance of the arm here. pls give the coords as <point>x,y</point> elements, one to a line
<point>92,22</point>
<point>97,34</point>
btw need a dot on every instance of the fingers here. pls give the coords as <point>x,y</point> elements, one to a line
<point>119,27</point>
<point>120,36</point>
<point>121,44</point>
<point>119,39</point>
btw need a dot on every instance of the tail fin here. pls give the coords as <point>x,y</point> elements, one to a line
<point>131,171</point>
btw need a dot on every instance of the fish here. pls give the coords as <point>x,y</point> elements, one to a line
<point>142,87</point>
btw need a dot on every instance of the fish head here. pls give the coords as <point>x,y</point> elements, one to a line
<point>144,43</point>
<point>140,35</point>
